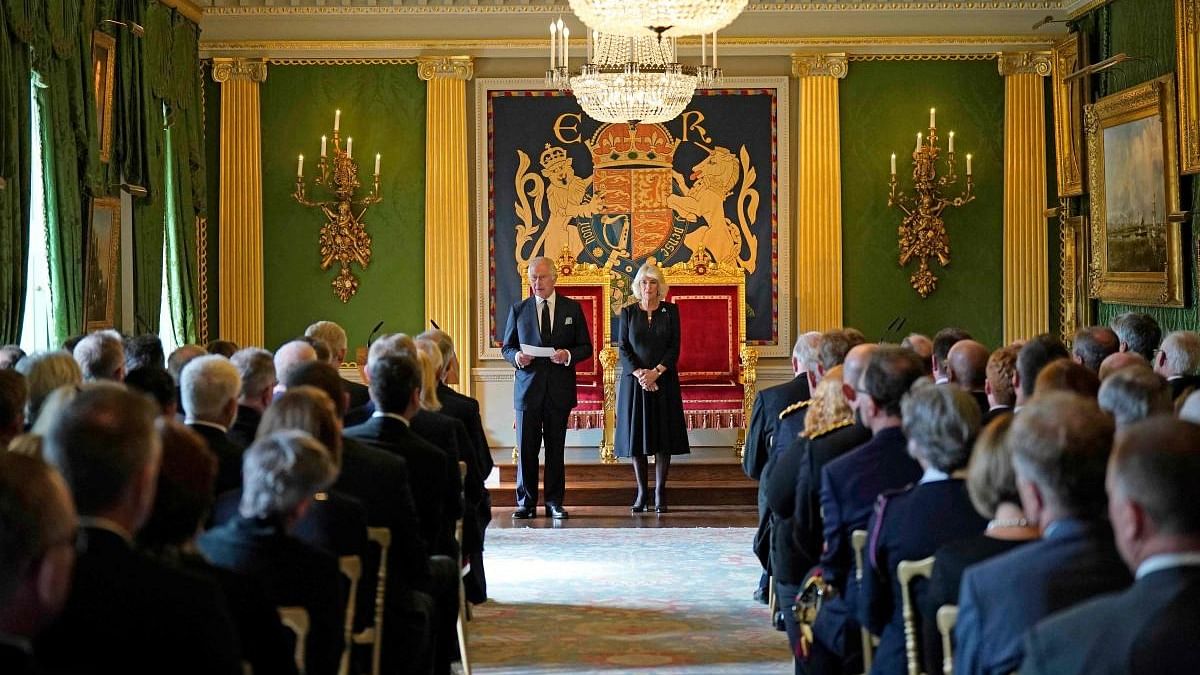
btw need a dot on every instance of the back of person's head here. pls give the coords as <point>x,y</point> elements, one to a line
<point>182,356</point>
<point>430,360</point>
<point>922,346</point>
<point>226,348</point>
<point>14,394</point>
<point>158,384</point>
<point>828,405</point>
<point>1000,368</point>
<point>186,478</point>
<point>940,424</point>
<point>445,345</point>
<point>10,355</point>
<point>210,386</point>
<point>394,378</point>
<point>1179,355</point>
<point>46,371</point>
<point>256,366</point>
<point>53,408</point>
<point>101,356</point>
<point>1094,344</point>
<point>307,409</point>
<point>144,350</point>
<point>1037,353</point>
<point>805,353</point>
<point>68,345</point>
<point>102,442</point>
<point>1061,443</point>
<point>323,376</point>
<point>968,364</point>
<point>991,480</point>
<point>1120,361</point>
<point>835,344</point>
<point>943,341</point>
<point>37,540</point>
<point>291,354</point>
<point>1066,375</point>
<point>391,344</point>
<point>1133,394</point>
<point>281,472</point>
<point>1156,465</point>
<point>320,347</point>
<point>333,335</point>
<point>889,375</point>
<point>1139,333</point>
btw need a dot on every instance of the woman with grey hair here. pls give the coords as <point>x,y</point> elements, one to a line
<point>649,404</point>
<point>940,423</point>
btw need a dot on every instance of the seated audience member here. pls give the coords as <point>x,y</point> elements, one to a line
<point>1133,394</point>
<point>335,336</point>
<point>222,348</point>
<point>101,356</point>
<point>37,554</point>
<point>10,355</point>
<point>1120,361</point>
<point>1001,366</point>
<point>910,524</point>
<point>288,356</point>
<point>1037,353</point>
<point>320,347</point>
<point>992,486</point>
<point>127,612</point>
<point>1092,345</point>
<point>144,350</point>
<point>1149,629</point>
<point>851,483</point>
<point>44,372</point>
<point>967,361</point>
<point>1068,376</point>
<point>1178,360</point>
<point>922,346</point>
<point>176,362</point>
<point>1060,444</point>
<point>14,393</point>
<point>68,345</point>
<point>30,443</point>
<point>282,473</point>
<point>1189,411</point>
<point>181,504</point>
<point>1138,333</point>
<point>942,342</point>
<point>158,384</point>
<point>770,401</point>
<point>210,393</point>
<point>257,369</point>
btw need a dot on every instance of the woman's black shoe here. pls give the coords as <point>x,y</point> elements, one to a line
<point>660,508</point>
<point>638,506</point>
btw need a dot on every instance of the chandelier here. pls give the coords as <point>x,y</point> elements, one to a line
<point>669,18</point>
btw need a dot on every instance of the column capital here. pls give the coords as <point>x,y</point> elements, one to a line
<point>1026,63</point>
<point>445,67</point>
<point>820,65</point>
<point>251,70</point>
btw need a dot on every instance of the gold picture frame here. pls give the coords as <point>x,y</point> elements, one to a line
<point>1068,114</point>
<point>102,263</point>
<point>1133,178</point>
<point>1187,43</point>
<point>1074,306</point>
<point>104,58</point>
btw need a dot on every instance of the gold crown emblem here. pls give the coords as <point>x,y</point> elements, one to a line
<point>552,156</point>
<point>621,145</point>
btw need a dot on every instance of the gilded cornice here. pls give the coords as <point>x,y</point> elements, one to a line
<point>253,70</point>
<point>945,56</point>
<point>189,9</point>
<point>499,7</point>
<point>445,68</point>
<point>1026,63</point>
<point>820,65</point>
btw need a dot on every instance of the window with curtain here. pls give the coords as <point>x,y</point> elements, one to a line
<point>172,307</point>
<point>37,326</point>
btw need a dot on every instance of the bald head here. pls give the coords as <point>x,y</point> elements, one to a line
<point>181,357</point>
<point>290,355</point>
<point>1120,361</point>
<point>857,360</point>
<point>968,364</point>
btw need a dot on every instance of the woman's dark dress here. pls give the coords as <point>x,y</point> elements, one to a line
<point>650,422</point>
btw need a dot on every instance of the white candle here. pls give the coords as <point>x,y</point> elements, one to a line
<point>562,39</point>
<point>337,120</point>
<point>322,146</point>
<point>350,148</point>
<point>893,164</point>
<point>968,165</point>
<point>933,118</point>
<point>565,45</point>
<point>714,49</point>
<point>919,137</point>
<point>300,167</point>
<point>377,156</point>
<point>591,36</point>
<point>703,49</point>
<point>553,33</point>
<point>951,141</point>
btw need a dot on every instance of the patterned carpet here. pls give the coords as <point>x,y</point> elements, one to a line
<point>616,601</point>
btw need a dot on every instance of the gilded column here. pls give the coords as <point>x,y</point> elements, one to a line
<point>1026,266</point>
<point>819,192</point>
<point>447,204</point>
<point>240,222</point>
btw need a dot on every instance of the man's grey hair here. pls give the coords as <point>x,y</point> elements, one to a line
<point>209,383</point>
<point>444,342</point>
<point>805,351</point>
<point>290,355</point>
<point>1061,442</point>
<point>834,346</point>
<point>332,335</point>
<point>281,471</point>
<point>256,366</point>
<point>538,260</point>
<point>1140,332</point>
<point>1094,344</point>
<point>1133,394</point>
<point>392,344</point>
<point>941,422</point>
<point>1182,349</point>
<point>101,355</point>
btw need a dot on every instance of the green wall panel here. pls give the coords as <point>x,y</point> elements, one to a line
<point>383,109</point>
<point>883,106</point>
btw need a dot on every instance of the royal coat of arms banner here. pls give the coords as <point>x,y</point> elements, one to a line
<point>552,181</point>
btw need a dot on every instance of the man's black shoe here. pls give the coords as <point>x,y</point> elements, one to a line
<point>760,596</point>
<point>524,513</point>
<point>556,512</point>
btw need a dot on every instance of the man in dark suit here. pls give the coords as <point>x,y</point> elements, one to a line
<point>1060,445</point>
<point>211,385</point>
<point>544,387</point>
<point>1133,394</point>
<point>1178,360</point>
<point>1138,333</point>
<point>257,368</point>
<point>1092,345</point>
<point>1001,367</point>
<point>1037,353</point>
<point>967,361</point>
<point>1151,627</point>
<point>334,336</point>
<point>127,613</point>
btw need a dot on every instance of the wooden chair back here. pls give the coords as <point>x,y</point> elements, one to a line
<point>463,609</point>
<point>296,620</point>
<point>858,542</point>
<point>947,616</point>
<point>351,568</point>
<point>906,572</point>
<point>373,634</point>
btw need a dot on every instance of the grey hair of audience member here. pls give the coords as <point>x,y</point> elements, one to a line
<point>1138,333</point>
<point>36,515</point>
<point>1181,350</point>
<point>209,385</point>
<point>922,346</point>
<point>281,472</point>
<point>179,359</point>
<point>445,345</point>
<point>835,344</point>
<point>291,354</point>
<point>332,335</point>
<point>391,345</point>
<point>1156,463</point>
<point>10,356</point>
<point>45,372</point>
<point>1094,344</point>
<point>804,353</point>
<point>256,366</point>
<point>1120,361</point>
<point>101,356</point>
<point>1133,394</point>
<point>144,350</point>
<point>941,424</point>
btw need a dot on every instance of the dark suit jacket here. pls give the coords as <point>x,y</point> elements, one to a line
<point>994,413</point>
<point>807,529</point>
<point>131,614</point>
<point>16,661</point>
<point>1004,597</point>
<point>229,457</point>
<point>544,383</point>
<point>466,410</point>
<point>764,416</point>
<point>292,573</point>
<point>434,486</point>
<point>360,394</point>
<point>245,427</point>
<point>335,523</point>
<point>356,416</point>
<point>1149,629</point>
<point>981,400</point>
<point>449,435</point>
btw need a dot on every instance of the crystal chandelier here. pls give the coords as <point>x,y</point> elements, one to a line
<point>670,18</point>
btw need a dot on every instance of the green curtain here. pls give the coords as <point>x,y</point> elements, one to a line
<point>186,177</point>
<point>14,169</point>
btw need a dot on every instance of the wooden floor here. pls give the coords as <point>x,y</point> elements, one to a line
<point>619,516</point>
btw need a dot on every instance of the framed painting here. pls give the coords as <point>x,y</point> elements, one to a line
<point>104,56</point>
<point>1187,44</point>
<point>1068,115</point>
<point>1133,177</point>
<point>103,263</point>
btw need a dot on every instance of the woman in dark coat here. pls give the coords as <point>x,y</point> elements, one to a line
<point>649,406</point>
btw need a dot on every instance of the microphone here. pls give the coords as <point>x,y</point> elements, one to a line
<point>892,328</point>
<point>371,336</point>
<point>434,324</point>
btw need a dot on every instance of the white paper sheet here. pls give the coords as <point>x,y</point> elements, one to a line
<point>537,351</point>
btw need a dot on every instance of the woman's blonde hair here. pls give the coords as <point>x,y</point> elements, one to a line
<point>654,272</point>
<point>829,405</point>
<point>431,362</point>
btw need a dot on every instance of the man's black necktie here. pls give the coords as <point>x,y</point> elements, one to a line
<point>545,330</point>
